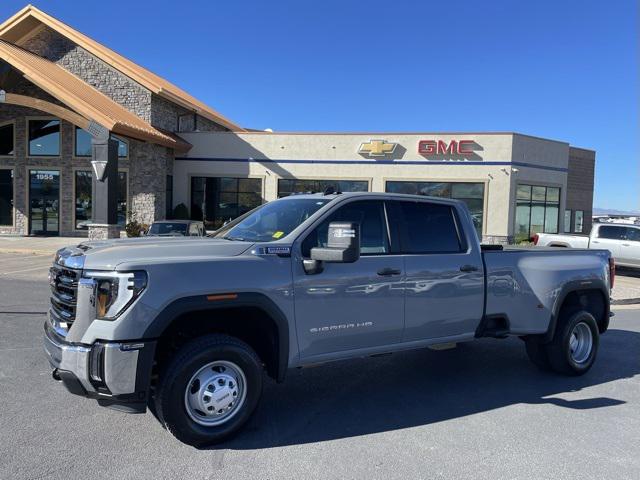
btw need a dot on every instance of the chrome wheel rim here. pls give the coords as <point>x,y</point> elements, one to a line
<point>215,393</point>
<point>580,342</point>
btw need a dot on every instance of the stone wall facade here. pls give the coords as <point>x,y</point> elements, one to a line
<point>580,184</point>
<point>120,88</point>
<point>147,165</point>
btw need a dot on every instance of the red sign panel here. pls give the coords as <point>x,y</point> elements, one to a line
<point>440,147</point>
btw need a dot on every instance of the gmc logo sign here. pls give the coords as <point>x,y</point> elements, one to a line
<point>440,147</point>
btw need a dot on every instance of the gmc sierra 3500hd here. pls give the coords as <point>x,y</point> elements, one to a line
<point>186,326</point>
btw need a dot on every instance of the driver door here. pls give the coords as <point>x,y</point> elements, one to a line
<point>350,306</point>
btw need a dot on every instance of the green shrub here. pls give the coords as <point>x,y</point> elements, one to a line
<point>180,212</point>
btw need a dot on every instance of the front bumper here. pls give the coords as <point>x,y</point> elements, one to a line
<point>117,374</point>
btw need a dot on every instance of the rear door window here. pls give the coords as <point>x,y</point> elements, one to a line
<point>633,234</point>
<point>429,228</point>
<point>612,232</point>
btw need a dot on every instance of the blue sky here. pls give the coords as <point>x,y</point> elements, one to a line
<point>566,70</point>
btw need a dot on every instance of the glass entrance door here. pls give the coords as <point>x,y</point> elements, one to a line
<point>44,202</point>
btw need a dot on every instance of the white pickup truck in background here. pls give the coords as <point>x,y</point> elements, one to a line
<point>623,241</point>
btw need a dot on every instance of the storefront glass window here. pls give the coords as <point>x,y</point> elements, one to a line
<point>216,200</point>
<point>83,198</point>
<point>83,144</point>
<point>122,198</point>
<point>6,197</point>
<point>537,211</point>
<point>579,221</point>
<point>567,221</point>
<point>6,139</point>
<point>472,194</point>
<point>44,138</point>
<point>288,186</point>
<point>169,197</point>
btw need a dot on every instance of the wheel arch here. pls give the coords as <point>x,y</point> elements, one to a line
<point>574,296</point>
<point>216,313</point>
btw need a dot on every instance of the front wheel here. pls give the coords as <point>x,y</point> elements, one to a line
<point>209,389</point>
<point>575,344</point>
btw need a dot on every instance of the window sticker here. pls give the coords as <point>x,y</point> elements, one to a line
<point>278,234</point>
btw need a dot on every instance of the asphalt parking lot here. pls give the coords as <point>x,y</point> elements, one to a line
<point>478,411</point>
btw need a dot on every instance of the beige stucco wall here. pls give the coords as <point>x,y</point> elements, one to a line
<point>490,164</point>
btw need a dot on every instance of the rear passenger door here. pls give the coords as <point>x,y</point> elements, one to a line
<point>444,286</point>
<point>630,247</point>
<point>610,237</point>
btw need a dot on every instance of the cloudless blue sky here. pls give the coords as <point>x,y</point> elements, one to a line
<point>566,70</point>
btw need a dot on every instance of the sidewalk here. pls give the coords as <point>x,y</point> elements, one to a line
<point>36,245</point>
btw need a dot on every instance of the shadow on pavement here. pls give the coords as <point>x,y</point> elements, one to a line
<point>365,396</point>
<point>628,272</point>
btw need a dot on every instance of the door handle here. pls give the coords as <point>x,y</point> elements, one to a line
<point>468,268</point>
<point>626,244</point>
<point>387,272</point>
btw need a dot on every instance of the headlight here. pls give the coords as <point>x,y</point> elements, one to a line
<point>115,291</point>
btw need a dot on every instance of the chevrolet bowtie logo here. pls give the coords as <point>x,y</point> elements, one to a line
<point>377,148</point>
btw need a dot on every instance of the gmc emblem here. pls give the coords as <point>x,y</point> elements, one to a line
<point>440,147</point>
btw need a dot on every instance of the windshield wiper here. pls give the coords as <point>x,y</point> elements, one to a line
<point>234,239</point>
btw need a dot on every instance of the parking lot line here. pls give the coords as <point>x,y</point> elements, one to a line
<point>26,269</point>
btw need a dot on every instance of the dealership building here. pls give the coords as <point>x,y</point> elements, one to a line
<point>60,91</point>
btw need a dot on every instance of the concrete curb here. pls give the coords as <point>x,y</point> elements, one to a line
<point>626,301</point>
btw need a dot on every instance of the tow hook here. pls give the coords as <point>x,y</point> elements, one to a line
<point>56,375</point>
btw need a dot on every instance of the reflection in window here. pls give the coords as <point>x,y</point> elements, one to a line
<point>537,211</point>
<point>83,198</point>
<point>579,221</point>
<point>83,144</point>
<point>472,194</point>
<point>44,138</point>
<point>288,186</point>
<point>169,197</point>
<point>122,198</point>
<point>216,200</point>
<point>6,197</point>
<point>6,139</point>
<point>567,221</point>
<point>369,214</point>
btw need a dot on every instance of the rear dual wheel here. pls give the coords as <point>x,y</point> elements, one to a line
<point>573,348</point>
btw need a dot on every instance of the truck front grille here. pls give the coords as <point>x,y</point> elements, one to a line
<point>64,295</point>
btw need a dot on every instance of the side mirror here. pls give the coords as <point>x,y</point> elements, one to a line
<point>343,244</point>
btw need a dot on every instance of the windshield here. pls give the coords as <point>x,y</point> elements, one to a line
<point>168,229</point>
<point>272,221</point>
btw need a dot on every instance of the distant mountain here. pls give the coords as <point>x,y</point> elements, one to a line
<point>611,211</point>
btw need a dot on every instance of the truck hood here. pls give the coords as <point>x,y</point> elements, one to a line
<point>109,254</point>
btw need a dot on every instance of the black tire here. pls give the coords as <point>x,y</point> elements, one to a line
<point>170,393</point>
<point>559,352</point>
<point>537,353</point>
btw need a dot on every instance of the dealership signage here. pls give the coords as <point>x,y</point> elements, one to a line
<point>441,147</point>
<point>377,148</point>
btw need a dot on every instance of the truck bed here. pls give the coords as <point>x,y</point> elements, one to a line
<point>524,283</point>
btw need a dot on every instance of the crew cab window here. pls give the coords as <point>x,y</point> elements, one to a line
<point>612,233</point>
<point>633,234</point>
<point>428,228</point>
<point>374,239</point>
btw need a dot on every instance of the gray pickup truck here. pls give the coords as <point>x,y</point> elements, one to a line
<point>186,326</point>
